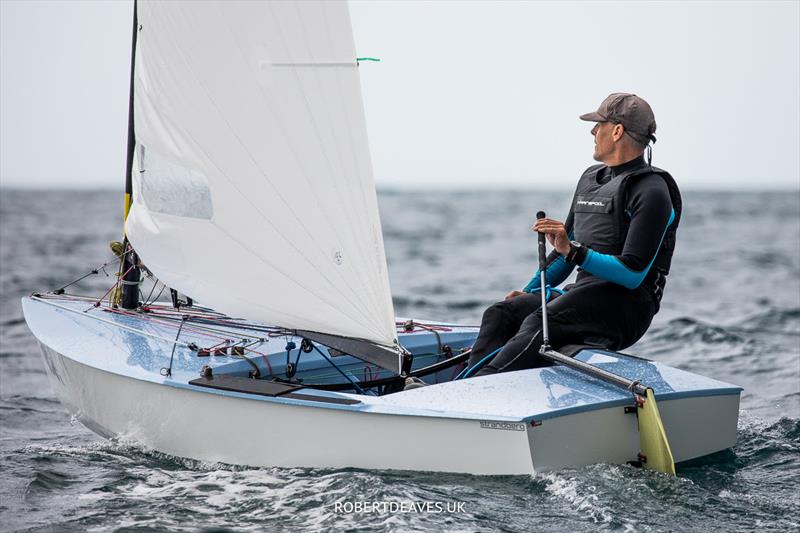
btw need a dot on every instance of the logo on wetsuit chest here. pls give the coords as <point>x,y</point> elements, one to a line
<point>507,426</point>
<point>593,204</point>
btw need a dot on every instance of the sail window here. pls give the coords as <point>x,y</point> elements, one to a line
<point>172,189</point>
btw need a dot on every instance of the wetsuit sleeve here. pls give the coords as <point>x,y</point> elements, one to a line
<point>650,212</point>
<point>558,269</point>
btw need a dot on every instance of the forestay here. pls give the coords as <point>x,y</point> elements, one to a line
<point>253,188</point>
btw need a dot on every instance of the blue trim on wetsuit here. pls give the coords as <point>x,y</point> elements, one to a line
<point>612,269</point>
<point>548,290</point>
<point>557,272</point>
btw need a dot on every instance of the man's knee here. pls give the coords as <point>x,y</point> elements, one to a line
<point>518,306</point>
<point>519,353</point>
<point>496,312</point>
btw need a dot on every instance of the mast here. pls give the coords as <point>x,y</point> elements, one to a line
<point>130,269</point>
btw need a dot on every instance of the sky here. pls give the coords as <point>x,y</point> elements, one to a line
<point>467,94</point>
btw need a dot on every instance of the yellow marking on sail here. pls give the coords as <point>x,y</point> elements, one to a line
<point>652,437</point>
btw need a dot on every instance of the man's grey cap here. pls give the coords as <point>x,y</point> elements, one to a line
<point>629,110</point>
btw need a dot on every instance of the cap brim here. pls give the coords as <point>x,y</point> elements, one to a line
<point>593,117</point>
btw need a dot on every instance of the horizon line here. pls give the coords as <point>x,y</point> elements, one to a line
<point>423,187</point>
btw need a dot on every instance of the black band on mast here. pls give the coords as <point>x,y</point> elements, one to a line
<point>132,274</point>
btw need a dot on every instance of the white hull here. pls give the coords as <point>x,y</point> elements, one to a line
<point>412,430</point>
<point>215,428</point>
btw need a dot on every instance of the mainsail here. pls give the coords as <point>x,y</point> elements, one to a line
<point>253,186</point>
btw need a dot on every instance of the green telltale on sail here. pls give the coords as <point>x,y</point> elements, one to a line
<point>360,59</point>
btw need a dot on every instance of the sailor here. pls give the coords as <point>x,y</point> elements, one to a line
<point>619,233</point>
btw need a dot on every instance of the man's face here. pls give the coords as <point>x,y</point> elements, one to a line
<point>603,140</point>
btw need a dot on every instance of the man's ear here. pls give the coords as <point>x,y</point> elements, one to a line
<point>617,132</point>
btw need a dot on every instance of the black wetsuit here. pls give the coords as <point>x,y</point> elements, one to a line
<point>614,297</point>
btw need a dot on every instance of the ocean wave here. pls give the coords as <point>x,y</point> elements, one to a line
<point>687,329</point>
<point>773,320</point>
<point>47,480</point>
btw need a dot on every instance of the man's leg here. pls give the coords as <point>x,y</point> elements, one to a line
<point>522,350</point>
<point>500,322</point>
<point>590,309</point>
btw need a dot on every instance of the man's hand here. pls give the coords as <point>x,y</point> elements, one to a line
<point>556,234</point>
<point>514,294</point>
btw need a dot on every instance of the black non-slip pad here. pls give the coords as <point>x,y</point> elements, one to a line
<point>264,388</point>
<point>247,385</point>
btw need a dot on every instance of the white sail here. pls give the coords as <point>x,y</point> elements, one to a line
<point>253,186</point>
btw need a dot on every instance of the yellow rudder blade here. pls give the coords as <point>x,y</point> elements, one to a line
<point>653,439</point>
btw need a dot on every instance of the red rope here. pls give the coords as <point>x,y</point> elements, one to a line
<point>97,303</point>
<point>156,311</point>
<point>196,331</point>
<point>266,360</point>
<point>165,323</point>
<point>369,373</point>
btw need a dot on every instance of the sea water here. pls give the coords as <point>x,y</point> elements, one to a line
<point>731,311</point>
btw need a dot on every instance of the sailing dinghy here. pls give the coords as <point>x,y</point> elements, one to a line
<point>250,189</point>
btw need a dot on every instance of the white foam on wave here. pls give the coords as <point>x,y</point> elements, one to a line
<point>582,498</point>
